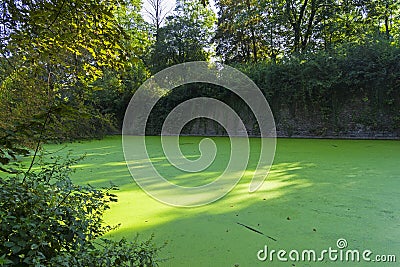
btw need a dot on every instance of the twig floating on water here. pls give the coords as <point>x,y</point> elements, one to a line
<point>255,230</point>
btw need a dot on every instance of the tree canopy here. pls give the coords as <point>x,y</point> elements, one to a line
<point>251,30</point>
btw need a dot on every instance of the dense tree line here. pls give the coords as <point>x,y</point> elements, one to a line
<point>249,31</point>
<point>55,57</point>
<point>327,67</point>
<point>96,80</point>
<point>347,92</point>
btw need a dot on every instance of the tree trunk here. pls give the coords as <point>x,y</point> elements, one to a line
<point>310,26</point>
<point>387,30</point>
<point>253,37</point>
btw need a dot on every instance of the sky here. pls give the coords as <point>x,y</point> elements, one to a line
<point>169,6</point>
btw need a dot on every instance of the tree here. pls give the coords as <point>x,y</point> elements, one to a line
<point>116,86</point>
<point>273,28</point>
<point>303,16</point>
<point>157,12</point>
<point>250,30</point>
<point>235,35</point>
<point>185,37</point>
<point>381,15</point>
<point>52,52</point>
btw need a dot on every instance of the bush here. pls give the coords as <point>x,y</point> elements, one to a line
<point>46,220</point>
<point>339,91</point>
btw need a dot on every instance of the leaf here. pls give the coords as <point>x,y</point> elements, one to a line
<point>4,261</point>
<point>16,249</point>
<point>8,244</point>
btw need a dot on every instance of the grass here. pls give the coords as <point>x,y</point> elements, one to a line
<point>317,192</point>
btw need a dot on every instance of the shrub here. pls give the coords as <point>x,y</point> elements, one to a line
<point>46,220</point>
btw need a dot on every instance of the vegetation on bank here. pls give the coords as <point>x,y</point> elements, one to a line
<point>47,220</point>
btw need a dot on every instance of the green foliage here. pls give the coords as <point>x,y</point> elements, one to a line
<point>53,56</point>
<point>117,90</point>
<point>183,93</point>
<point>271,29</point>
<point>46,220</point>
<point>351,90</point>
<point>69,39</point>
<point>185,37</point>
<point>45,54</point>
<point>112,253</point>
<point>333,91</point>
